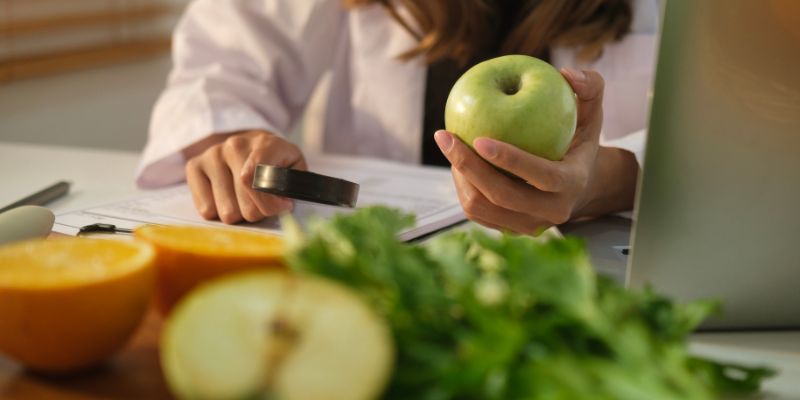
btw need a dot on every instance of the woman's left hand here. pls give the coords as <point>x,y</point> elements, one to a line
<point>549,192</point>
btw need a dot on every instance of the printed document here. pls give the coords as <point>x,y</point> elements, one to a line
<point>427,192</point>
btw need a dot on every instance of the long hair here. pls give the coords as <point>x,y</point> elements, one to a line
<point>457,29</point>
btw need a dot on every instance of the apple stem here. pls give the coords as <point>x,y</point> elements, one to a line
<point>509,85</point>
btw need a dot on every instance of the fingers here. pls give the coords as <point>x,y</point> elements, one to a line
<point>221,177</point>
<point>271,151</point>
<point>587,84</point>
<point>479,209</point>
<point>266,203</point>
<point>546,175</point>
<point>235,151</point>
<point>589,87</point>
<point>222,187</point>
<point>499,189</point>
<point>200,187</point>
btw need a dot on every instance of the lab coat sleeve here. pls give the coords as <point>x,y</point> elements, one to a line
<point>628,68</point>
<point>633,142</point>
<point>238,65</point>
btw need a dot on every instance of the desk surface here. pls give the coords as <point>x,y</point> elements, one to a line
<point>100,177</point>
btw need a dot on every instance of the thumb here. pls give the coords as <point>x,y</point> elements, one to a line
<point>588,86</point>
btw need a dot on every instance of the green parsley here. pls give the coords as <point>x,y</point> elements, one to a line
<point>475,316</point>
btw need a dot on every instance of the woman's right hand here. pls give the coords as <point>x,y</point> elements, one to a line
<point>220,175</point>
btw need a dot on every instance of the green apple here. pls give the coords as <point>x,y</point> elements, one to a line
<point>275,335</point>
<point>516,99</point>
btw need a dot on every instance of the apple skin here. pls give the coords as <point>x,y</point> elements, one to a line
<point>516,99</point>
<point>267,334</point>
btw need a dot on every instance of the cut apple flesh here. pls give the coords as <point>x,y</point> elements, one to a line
<point>275,335</point>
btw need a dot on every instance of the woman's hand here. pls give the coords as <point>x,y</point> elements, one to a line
<point>590,180</point>
<point>220,174</point>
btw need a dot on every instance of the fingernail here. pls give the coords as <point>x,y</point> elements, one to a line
<point>576,75</point>
<point>444,140</point>
<point>485,147</point>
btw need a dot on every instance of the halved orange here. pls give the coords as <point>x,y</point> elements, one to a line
<point>189,255</point>
<point>67,304</point>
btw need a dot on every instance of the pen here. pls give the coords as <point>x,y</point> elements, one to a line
<point>41,197</point>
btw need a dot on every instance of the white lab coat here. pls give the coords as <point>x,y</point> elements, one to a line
<point>252,64</point>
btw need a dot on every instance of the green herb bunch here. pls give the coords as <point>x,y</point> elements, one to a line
<point>476,316</point>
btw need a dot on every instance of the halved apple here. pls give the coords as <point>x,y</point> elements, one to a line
<point>275,335</point>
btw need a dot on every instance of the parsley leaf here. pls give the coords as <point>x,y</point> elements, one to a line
<point>475,316</point>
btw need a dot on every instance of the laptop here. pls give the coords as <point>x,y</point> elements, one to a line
<point>718,208</point>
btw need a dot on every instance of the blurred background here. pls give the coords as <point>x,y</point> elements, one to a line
<point>83,72</point>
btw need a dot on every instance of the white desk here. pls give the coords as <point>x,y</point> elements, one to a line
<point>100,177</point>
<point>97,176</point>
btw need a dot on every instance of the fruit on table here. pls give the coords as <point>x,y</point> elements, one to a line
<point>516,99</point>
<point>189,255</point>
<point>68,304</point>
<point>270,334</point>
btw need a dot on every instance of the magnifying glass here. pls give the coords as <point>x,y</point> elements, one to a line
<point>304,185</point>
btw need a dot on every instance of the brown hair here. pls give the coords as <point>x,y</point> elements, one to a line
<point>457,29</point>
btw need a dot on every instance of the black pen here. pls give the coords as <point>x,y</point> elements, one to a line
<point>41,197</point>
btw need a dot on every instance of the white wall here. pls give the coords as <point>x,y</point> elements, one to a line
<point>109,107</point>
<point>105,107</point>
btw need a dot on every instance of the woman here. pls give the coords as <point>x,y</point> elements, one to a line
<point>244,71</point>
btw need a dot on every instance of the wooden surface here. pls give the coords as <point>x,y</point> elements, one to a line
<point>70,21</point>
<point>70,60</point>
<point>103,34</point>
<point>134,373</point>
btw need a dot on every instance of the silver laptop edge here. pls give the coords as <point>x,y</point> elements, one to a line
<point>718,208</point>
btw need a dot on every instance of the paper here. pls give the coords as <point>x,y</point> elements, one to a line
<point>427,192</point>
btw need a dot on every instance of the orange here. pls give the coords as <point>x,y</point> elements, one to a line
<point>68,304</point>
<point>189,255</point>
